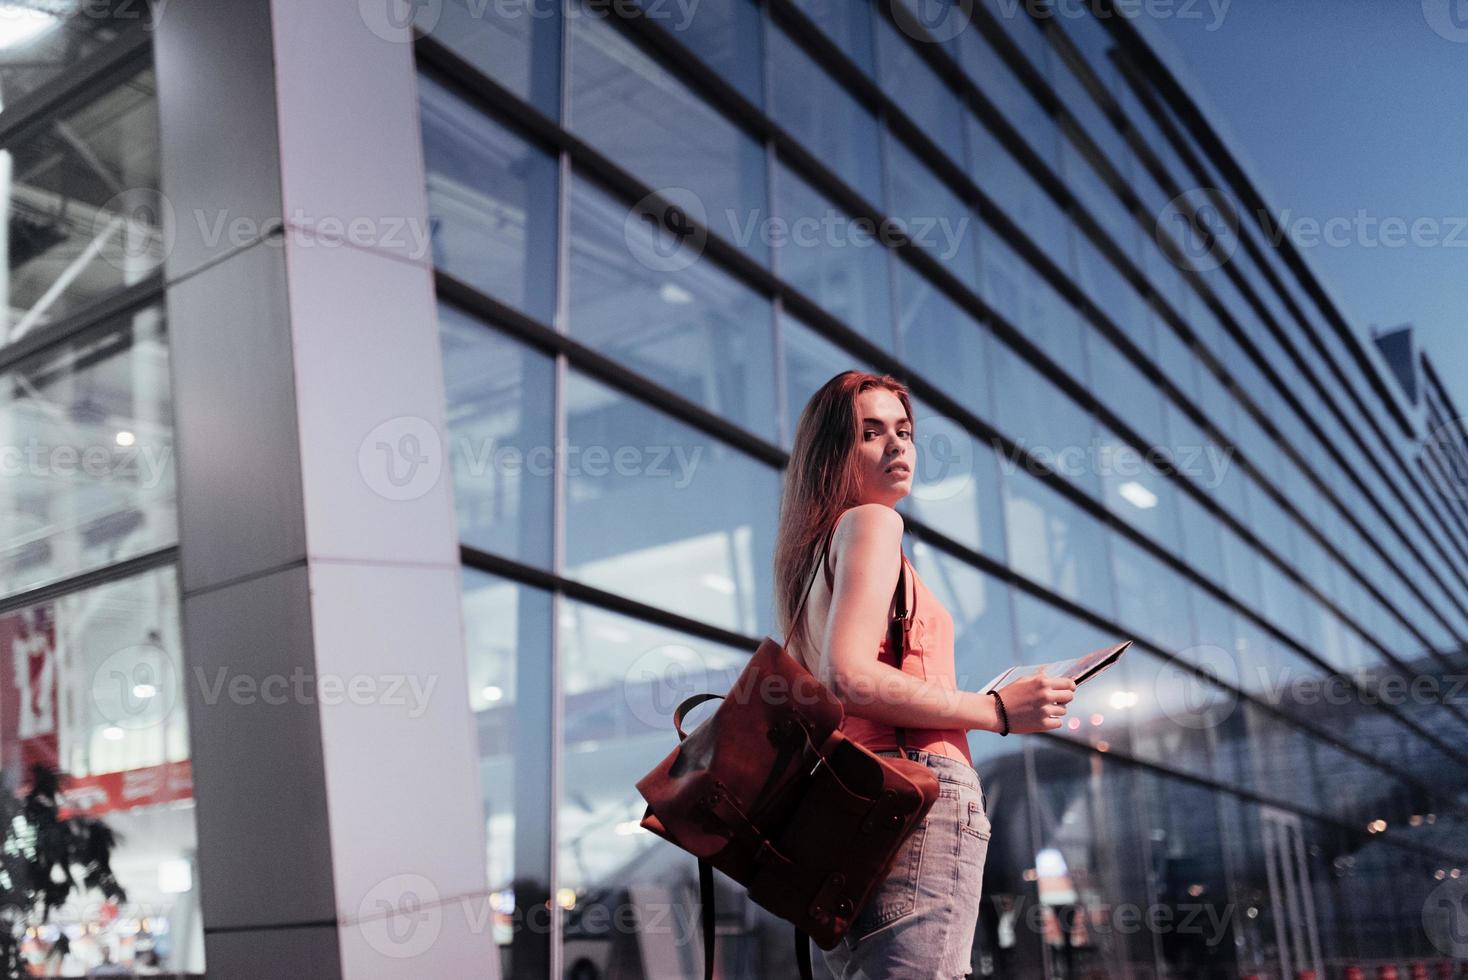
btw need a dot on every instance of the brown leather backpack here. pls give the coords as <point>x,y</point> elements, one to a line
<point>770,791</point>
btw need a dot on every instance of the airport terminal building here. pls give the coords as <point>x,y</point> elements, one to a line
<point>397,396</point>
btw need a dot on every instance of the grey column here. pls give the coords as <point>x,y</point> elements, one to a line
<point>335,763</point>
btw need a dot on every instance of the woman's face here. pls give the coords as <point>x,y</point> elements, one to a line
<point>885,451</point>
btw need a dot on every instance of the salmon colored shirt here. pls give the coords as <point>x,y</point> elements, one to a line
<point>929,657</point>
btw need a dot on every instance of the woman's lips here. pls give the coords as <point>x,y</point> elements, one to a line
<point>901,469</point>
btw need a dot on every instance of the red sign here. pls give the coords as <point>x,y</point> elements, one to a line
<point>110,791</point>
<point>28,729</point>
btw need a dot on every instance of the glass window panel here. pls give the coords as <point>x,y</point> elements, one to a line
<point>907,79</point>
<point>1043,419</point>
<point>1017,292</point>
<point>835,260</point>
<point>516,44</point>
<point>1112,293</point>
<point>692,328</point>
<point>1241,563</point>
<point>491,203</point>
<point>74,236</point>
<point>1122,387</point>
<point>823,116</point>
<point>932,216</point>
<point>1202,545</point>
<point>846,22</point>
<point>940,340</point>
<point>1176,359</point>
<point>1019,195</point>
<point>955,487</point>
<point>1022,29</point>
<point>636,112</point>
<point>87,431</point>
<point>1010,96</point>
<point>724,34</point>
<point>1135,490</point>
<point>662,513</point>
<point>1151,597</point>
<point>507,641</point>
<point>500,418</point>
<point>74,672</point>
<point>1054,542</point>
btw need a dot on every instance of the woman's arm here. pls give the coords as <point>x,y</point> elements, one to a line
<point>867,545</point>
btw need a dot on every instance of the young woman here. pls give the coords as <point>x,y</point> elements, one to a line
<point>852,461</point>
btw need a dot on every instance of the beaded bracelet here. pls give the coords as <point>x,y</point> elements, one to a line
<point>1003,715</point>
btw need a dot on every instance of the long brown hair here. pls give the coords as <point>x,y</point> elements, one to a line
<point>821,482</point>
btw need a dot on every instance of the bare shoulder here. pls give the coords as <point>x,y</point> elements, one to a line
<point>868,529</point>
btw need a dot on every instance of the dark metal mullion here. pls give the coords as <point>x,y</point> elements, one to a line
<point>80,582</point>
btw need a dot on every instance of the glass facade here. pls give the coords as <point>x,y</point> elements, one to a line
<point>1115,440</point>
<point>92,680</point>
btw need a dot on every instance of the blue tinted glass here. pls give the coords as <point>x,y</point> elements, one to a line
<point>517,45</point>
<point>834,259</point>
<point>1135,489</point>
<point>664,514</point>
<point>1151,597</point>
<point>908,80</point>
<point>499,395</point>
<point>823,116</point>
<point>933,216</point>
<point>846,22</point>
<point>1019,196</point>
<point>636,112</point>
<point>690,327</point>
<point>1202,545</point>
<point>1110,291</point>
<point>1043,419</point>
<point>725,35</point>
<point>1055,543</point>
<point>942,342</point>
<point>491,203</point>
<point>1026,299</point>
<point>1122,387</point>
<point>1010,96</point>
<point>955,486</point>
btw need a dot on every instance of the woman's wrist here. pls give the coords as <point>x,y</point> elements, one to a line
<point>983,712</point>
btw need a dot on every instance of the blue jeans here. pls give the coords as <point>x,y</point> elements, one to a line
<point>919,922</point>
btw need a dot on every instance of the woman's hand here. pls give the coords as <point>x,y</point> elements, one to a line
<point>1036,703</point>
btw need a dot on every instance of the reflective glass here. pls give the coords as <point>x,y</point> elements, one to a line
<point>1017,292</point>
<point>907,79</point>
<point>662,513</point>
<point>810,361</point>
<point>848,23</point>
<point>645,120</point>
<point>1019,195</point>
<point>500,417</point>
<point>931,215</point>
<point>87,436</point>
<point>491,203</point>
<point>1044,420</point>
<point>940,340</point>
<point>693,329</point>
<point>725,34</point>
<point>516,44</point>
<point>1055,543</point>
